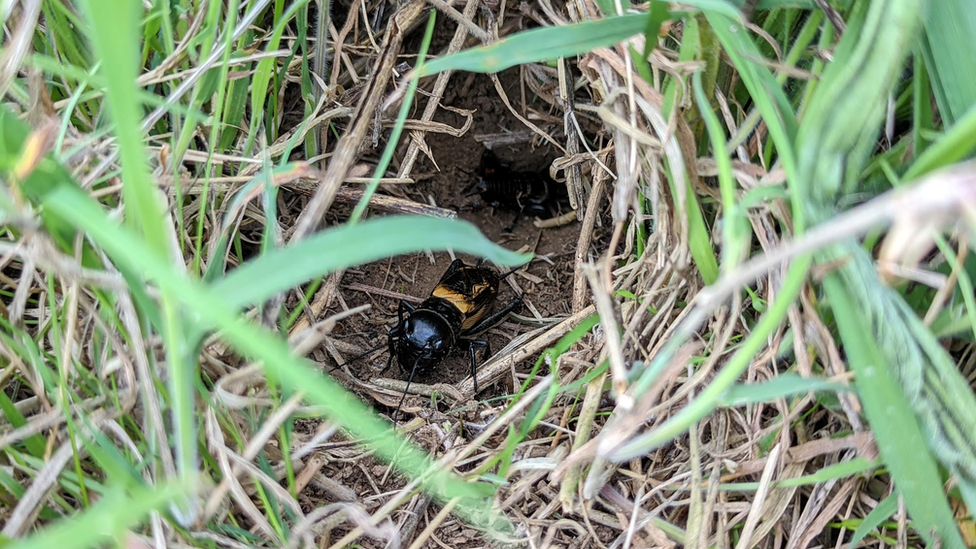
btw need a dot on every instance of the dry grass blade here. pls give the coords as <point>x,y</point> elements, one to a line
<point>18,44</point>
<point>608,319</point>
<point>941,198</point>
<point>433,102</point>
<point>495,367</point>
<point>345,153</point>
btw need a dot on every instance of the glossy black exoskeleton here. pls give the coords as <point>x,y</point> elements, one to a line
<point>522,192</point>
<point>457,308</point>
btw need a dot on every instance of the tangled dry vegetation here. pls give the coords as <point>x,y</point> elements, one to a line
<point>624,252</point>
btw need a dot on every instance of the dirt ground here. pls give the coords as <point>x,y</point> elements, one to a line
<point>547,285</point>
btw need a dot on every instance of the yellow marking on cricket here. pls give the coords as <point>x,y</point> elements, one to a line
<point>460,301</point>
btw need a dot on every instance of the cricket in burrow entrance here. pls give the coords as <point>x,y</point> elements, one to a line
<point>523,192</point>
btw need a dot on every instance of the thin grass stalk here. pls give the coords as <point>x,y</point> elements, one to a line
<point>405,106</point>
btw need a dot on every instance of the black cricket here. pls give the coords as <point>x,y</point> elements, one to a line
<point>523,192</point>
<point>457,308</point>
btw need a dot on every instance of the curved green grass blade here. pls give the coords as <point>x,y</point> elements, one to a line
<point>699,240</point>
<point>806,4</point>
<point>956,144</point>
<point>294,373</point>
<point>346,246</point>
<point>117,511</point>
<point>836,471</point>
<point>882,512</point>
<point>541,45</point>
<point>780,387</point>
<point>115,27</point>
<point>900,440</point>
<point>765,91</point>
<point>548,43</point>
<point>736,235</point>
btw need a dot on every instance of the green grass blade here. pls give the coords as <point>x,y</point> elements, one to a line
<point>949,47</point>
<point>840,127</point>
<point>957,143</point>
<point>712,395</point>
<point>900,440</point>
<point>562,41</point>
<point>699,239</point>
<point>34,444</point>
<point>115,26</point>
<point>541,45</point>
<point>922,116</point>
<point>342,247</point>
<point>735,228</point>
<point>882,512</point>
<point>263,74</point>
<point>784,385</point>
<point>770,99</point>
<point>836,471</point>
<point>772,102</point>
<point>293,373</point>
<point>115,514</point>
<point>391,145</point>
<point>804,4</point>
<point>656,16</point>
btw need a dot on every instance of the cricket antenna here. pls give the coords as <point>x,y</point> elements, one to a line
<point>367,353</point>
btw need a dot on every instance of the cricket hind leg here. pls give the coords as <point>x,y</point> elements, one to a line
<point>496,317</point>
<point>486,323</point>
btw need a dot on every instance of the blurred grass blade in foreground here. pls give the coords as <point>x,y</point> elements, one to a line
<point>294,373</point>
<point>949,47</point>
